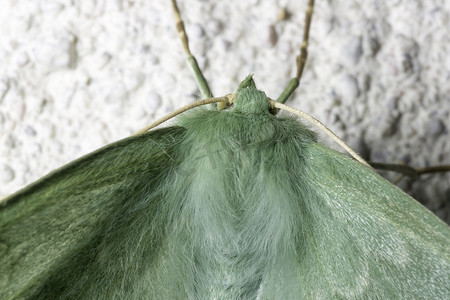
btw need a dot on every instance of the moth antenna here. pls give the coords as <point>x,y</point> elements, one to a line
<point>301,58</point>
<point>322,127</point>
<point>227,98</point>
<point>398,179</point>
<point>408,170</point>
<point>201,81</point>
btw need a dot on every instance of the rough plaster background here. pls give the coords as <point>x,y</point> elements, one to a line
<point>76,75</point>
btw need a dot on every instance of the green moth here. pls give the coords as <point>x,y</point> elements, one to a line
<point>238,203</point>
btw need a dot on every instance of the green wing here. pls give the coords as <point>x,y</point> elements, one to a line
<point>75,233</point>
<point>366,238</point>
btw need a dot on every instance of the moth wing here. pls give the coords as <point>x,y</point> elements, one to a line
<point>52,229</point>
<point>368,239</point>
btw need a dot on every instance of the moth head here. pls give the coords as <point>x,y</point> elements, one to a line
<point>248,99</point>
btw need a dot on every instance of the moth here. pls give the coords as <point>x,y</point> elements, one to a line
<point>237,203</point>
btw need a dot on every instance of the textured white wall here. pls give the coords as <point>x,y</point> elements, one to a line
<point>74,77</point>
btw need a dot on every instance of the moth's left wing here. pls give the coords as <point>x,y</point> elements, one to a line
<point>78,231</point>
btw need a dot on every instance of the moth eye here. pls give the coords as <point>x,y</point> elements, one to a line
<point>224,105</point>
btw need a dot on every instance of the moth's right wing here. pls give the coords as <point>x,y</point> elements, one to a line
<point>73,233</point>
<point>366,238</point>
